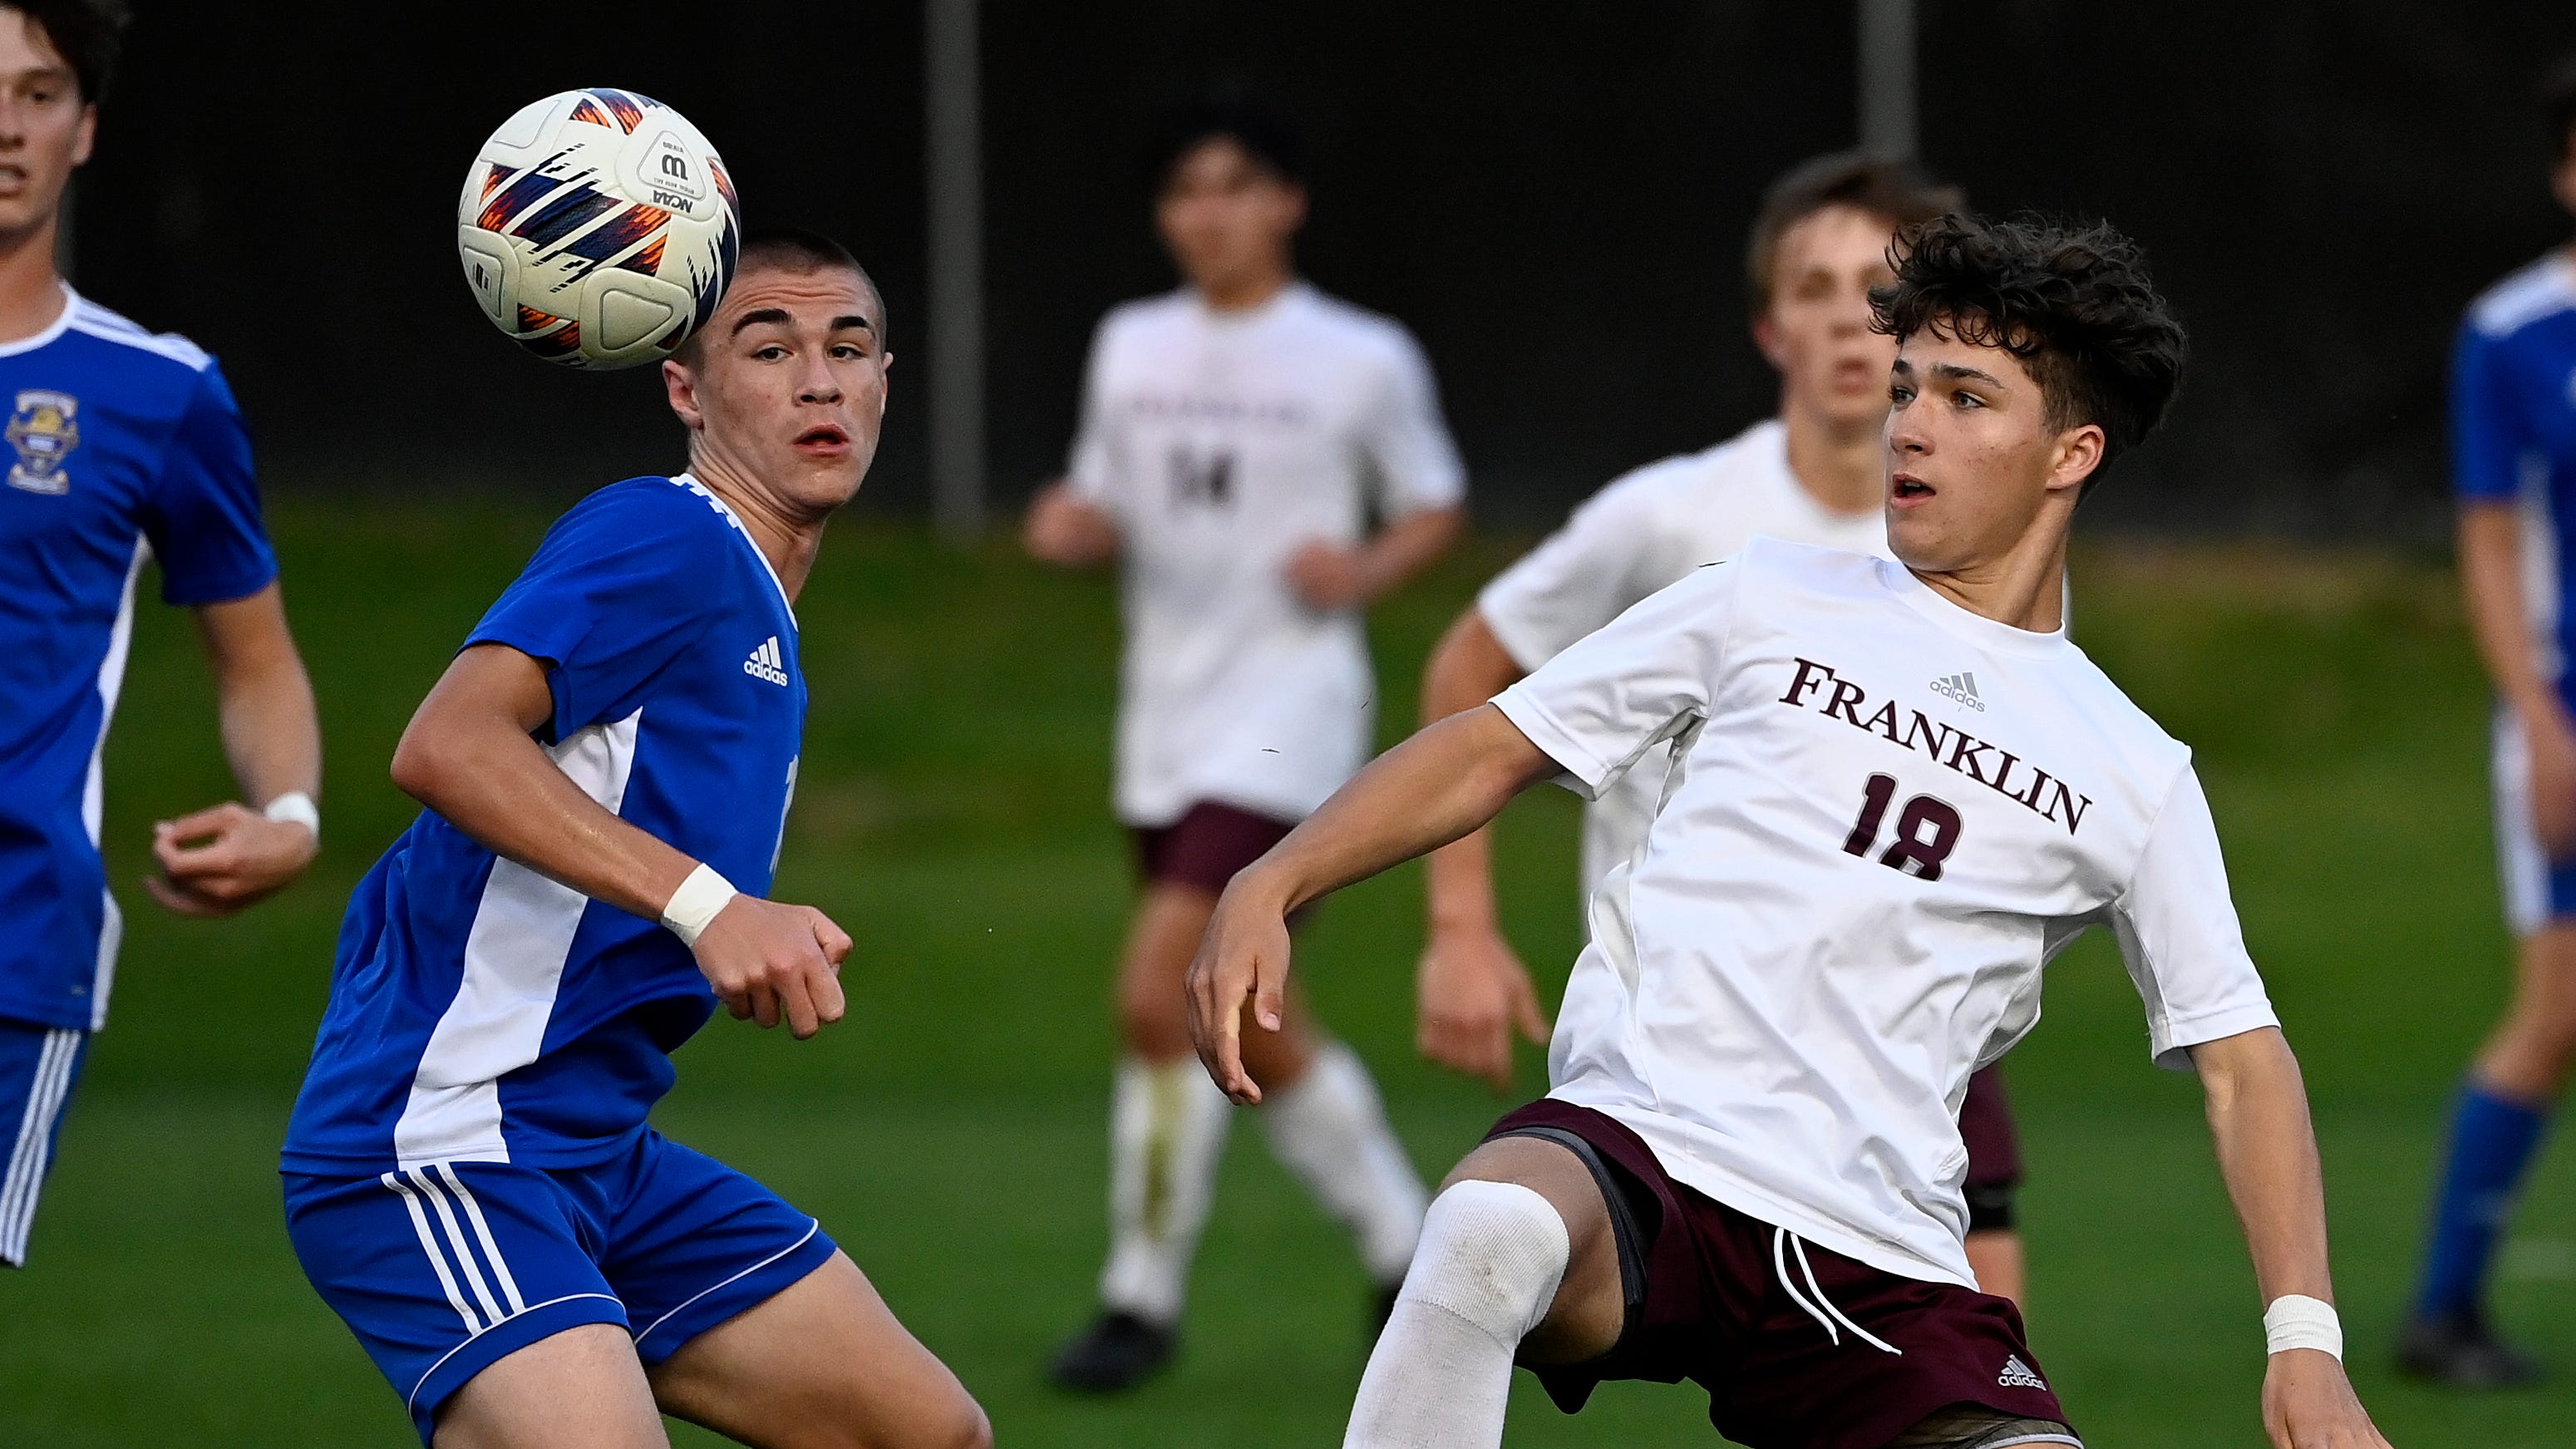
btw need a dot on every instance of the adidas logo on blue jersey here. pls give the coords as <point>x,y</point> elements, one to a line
<point>1960,689</point>
<point>766,663</point>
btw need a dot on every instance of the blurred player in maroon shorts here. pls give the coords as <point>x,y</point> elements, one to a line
<point>1238,437</point>
<point>1811,473</point>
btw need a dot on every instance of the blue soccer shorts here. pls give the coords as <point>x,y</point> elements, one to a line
<point>38,1065</point>
<point>2538,891</point>
<point>445,1269</point>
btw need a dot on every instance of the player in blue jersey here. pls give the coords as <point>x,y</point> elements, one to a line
<point>2513,461</point>
<point>124,447</point>
<point>470,1179</point>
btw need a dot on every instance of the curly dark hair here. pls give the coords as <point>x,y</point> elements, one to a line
<point>2072,300</point>
<point>88,34</point>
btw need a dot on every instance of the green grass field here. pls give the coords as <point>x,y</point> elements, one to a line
<point>950,1133</point>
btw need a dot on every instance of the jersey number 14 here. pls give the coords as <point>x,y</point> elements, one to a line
<point>1926,830</point>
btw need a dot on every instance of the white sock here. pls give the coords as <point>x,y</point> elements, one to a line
<point>1492,1255</point>
<point>1166,1126</point>
<point>1330,1130</point>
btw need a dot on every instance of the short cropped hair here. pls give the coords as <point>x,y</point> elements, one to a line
<point>2072,300</point>
<point>87,33</point>
<point>794,249</point>
<point>1265,134</point>
<point>2558,106</point>
<point>1894,191</point>
<point>797,249</point>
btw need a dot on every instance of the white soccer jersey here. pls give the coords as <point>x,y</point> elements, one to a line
<point>1885,815</point>
<point>1223,443</point>
<point>1643,532</point>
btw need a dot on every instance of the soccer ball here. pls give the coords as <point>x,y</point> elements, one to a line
<point>598,228</point>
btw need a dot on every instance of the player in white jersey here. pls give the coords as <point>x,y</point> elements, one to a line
<point>1237,437</point>
<point>1809,474</point>
<point>1747,1172</point>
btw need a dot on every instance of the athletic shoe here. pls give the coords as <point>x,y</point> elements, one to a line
<point>2459,1350</point>
<point>1116,1353</point>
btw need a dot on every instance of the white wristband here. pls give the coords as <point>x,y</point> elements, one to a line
<point>298,807</point>
<point>2297,1321</point>
<point>694,905</point>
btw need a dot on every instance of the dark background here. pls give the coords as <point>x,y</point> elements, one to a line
<point>1553,197</point>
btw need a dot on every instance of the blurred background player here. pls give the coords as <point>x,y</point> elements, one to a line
<point>1813,473</point>
<point>1237,436</point>
<point>126,447</point>
<point>470,1179</point>
<point>2513,461</point>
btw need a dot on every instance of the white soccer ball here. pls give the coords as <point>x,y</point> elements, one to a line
<point>598,228</point>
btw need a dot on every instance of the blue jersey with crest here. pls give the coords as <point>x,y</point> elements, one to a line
<point>481,1012</point>
<point>124,446</point>
<point>2513,430</point>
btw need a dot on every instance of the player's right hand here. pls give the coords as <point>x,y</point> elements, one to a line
<point>2550,738</point>
<point>769,962</point>
<point>1067,529</point>
<point>1472,993</point>
<point>1241,968</point>
<point>2308,1403</point>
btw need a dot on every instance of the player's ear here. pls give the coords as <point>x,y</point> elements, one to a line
<point>2078,454</point>
<point>681,386</point>
<point>1766,336</point>
<point>85,134</point>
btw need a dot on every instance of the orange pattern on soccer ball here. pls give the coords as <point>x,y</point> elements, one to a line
<point>567,210</point>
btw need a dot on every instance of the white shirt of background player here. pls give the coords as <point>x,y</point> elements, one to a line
<point>1222,445</point>
<point>1813,474</point>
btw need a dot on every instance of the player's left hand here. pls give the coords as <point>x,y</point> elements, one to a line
<point>1330,577</point>
<point>2308,1403</point>
<point>218,861</point>
<point>1241,967</point>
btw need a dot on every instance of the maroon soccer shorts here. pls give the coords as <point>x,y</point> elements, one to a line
<point>1206,846</point>
<point>1994,1152</point>
<point>1787,1364</point>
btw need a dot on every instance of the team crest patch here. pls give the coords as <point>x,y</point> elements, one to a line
<point>44,432</point>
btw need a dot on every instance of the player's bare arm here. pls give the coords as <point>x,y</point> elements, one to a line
<point>2491,553</point>
<point>1426,792</point>
<point>1472,992</point>
<point>1331,576</point>
<point>218,860</point>
<point>1065,529</point>
<point>470,754</point>
<point>2267,1151</point>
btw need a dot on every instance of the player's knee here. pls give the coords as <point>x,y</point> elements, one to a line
<point>1492,1253</point>
<point>956,1423</point>
<point>966,1428</point>
<point>1151,1024</point>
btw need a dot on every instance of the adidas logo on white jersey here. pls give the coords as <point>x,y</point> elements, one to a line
<point>2017,1375</point>
<point>766,663</point>
<point>1959,689</point>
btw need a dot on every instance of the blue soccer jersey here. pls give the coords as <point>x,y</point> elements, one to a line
<point>2513,427</point>
<point>125,446</point>
<point>481,1012</point>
